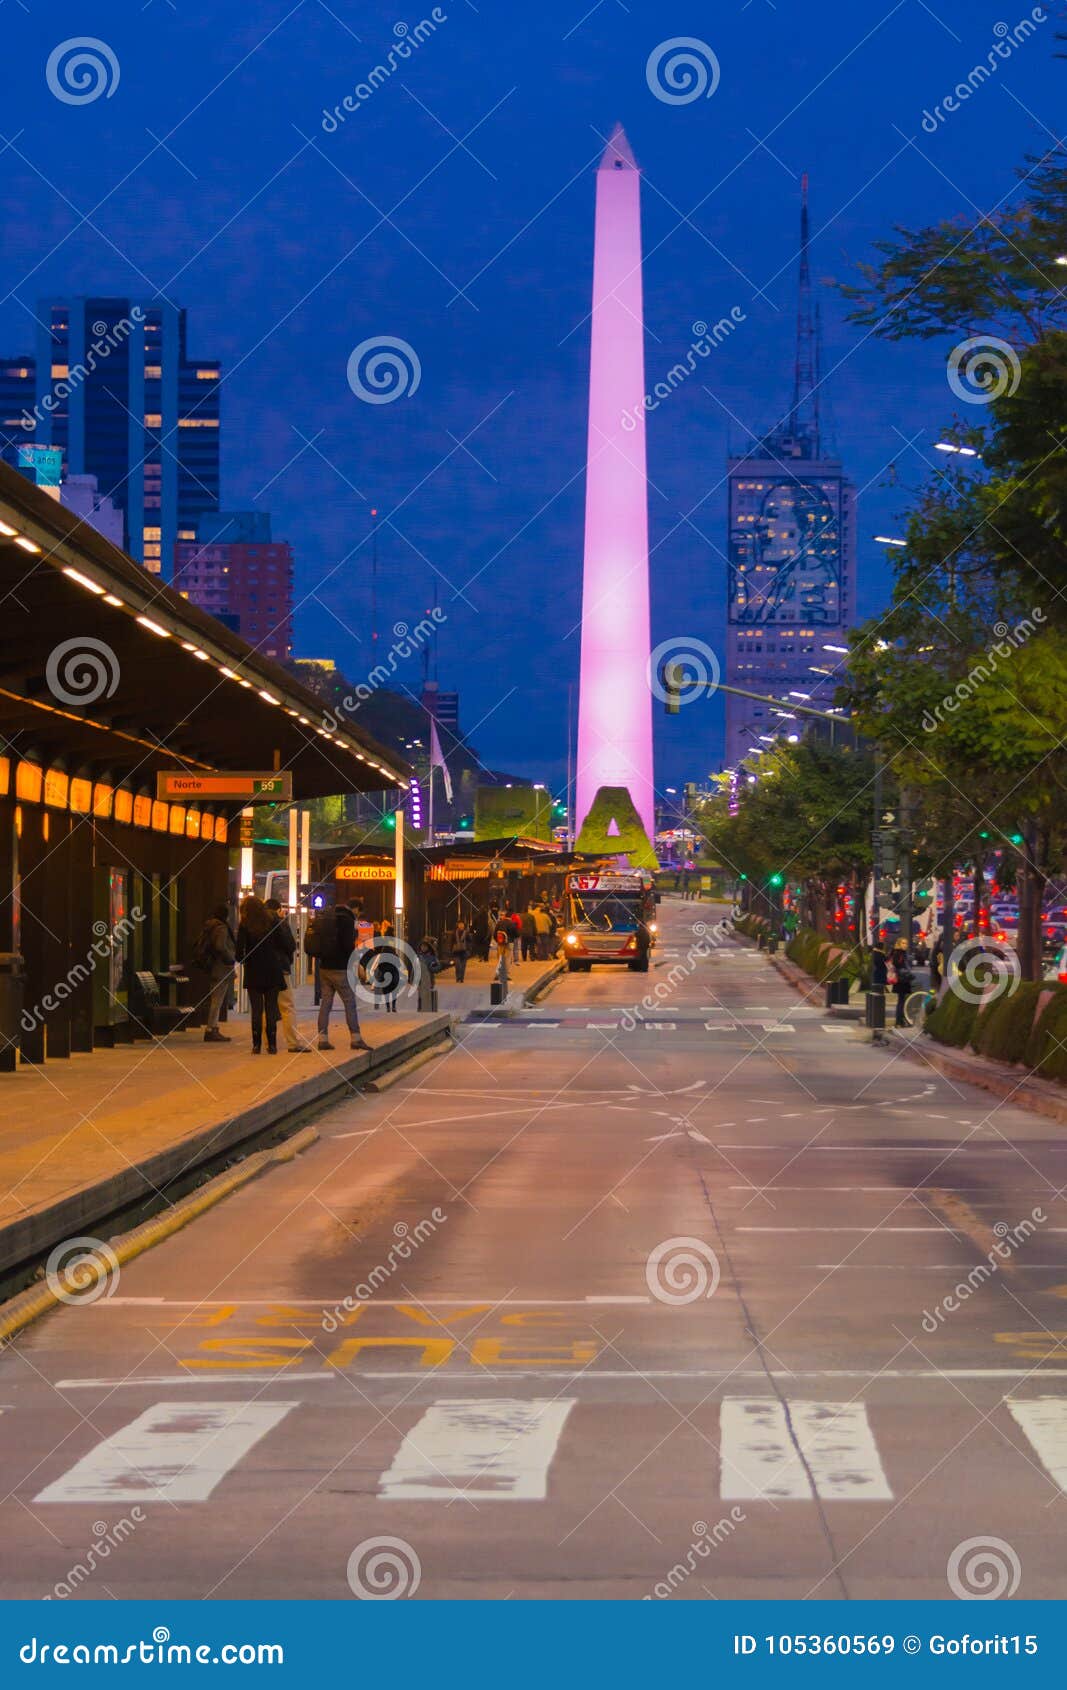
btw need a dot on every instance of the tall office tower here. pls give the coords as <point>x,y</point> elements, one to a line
<point>792,555</point>
<point>115,389</point>
<point>442,706</point>
<point>235,571</point>
<point>18,395</point>
<point>614,702</point>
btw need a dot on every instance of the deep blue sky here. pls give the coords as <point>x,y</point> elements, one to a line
<point>275,245</point>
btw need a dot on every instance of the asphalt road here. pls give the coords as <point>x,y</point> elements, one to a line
<point>616,1300</point>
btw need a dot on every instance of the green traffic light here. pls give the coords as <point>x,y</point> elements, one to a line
<point>775,880</point>
<point>1016,838</point>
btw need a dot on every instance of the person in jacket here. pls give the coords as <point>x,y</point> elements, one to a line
<point>331,939</point>
<point>543,926</point>
<point>902,978</point>
<point>261,955</point>
<point>217,955</point>
<point>286,1005</point>
<point>461,948</point>
<point>529,934</point>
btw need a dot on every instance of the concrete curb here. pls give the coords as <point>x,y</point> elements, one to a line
<point>1042,1096</point>
<point>33,1235</point>
<point>36,1300</point>
<point>382,1082</point>
<point>555,968</point>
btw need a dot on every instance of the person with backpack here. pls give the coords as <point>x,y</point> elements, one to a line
<point>214,954</point>
<point>286,1005</point>
<point>331,940</point>
<point>264,972</point>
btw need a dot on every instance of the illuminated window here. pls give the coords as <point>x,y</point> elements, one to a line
<point>19,370</point>
<point>81,796</point>
<point>222,830</point>
<point>103,798</point>
<point>192,824</point>
<point>198,422</point>
<point>160,816</point>
<point>142,810</point>
<point>207,375</point>
<point>152,533</point>
<point>187,533</point>
<point>29,779</point>
<point>153,372</point>
<point>59,371</point>
<point>56,789</point>
<point>5,776</point>
<point>177,818</point>
<point>153,419</point>
<point>124,805</point>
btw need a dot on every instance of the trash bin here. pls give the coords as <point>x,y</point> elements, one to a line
<point>12,994</point>
<point>497,992</point>
<point>875,1010</point>
<point>837,991</point>
<point>772,944</point>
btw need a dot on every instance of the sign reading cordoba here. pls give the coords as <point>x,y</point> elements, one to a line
<point>366,871</point>
<point>254,786</point>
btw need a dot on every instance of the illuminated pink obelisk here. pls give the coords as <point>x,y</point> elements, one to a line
<point>614,702</point>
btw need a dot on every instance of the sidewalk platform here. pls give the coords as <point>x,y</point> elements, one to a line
<point>525,980</point>
<point>92,1136</point>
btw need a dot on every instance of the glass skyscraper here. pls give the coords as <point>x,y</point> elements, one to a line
<point>113,386</point>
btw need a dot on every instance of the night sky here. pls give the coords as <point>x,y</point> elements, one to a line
<point>454,210</point>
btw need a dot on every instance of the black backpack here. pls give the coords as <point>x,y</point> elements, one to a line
<point>205,955</point>
<point>321,936</point>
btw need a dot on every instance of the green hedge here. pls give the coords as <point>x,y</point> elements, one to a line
<point>823,958</point>
<point>1002,1028</point>
<point>1049,1040</point>
<point>952,1021</point>
<point>751,925</point>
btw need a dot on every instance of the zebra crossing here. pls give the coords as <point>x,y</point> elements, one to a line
<point>503,1449</point>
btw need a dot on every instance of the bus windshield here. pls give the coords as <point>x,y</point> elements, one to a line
<point>606,912</point>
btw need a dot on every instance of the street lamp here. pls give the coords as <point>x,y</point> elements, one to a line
<point>887,540</point>
<point>964,451</point>
<point>843,649</point>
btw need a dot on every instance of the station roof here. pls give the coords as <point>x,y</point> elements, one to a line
<point>103,665</point>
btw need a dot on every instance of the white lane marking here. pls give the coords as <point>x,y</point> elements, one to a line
<point>760,1459</point>
<point>756,1006</point>
<point>874,1229</point>
<point>493,1449</point>
<point>778,1027</point>
<point>695,1085</point>
<point>174,1452</point>
<point>700,1139</point>
<point>1044,1421</point>
<point>435,1376</point>
<point>757,1456</point>
<point>839,1447</point>
<point>838,1029</point>
<point>462,1299</point>
<point>660,1026</point>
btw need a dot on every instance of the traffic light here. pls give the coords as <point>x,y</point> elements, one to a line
<point>673,676</point>
<point>1016,838</point>
<point>775,880</point>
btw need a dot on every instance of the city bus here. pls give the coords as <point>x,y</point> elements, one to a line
<point>610,918</point>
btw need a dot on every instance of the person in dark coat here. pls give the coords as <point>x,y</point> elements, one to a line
<point>902,978</point>
<point>331,939</point>
<point>286,1005</point>
<point>461,948</point>
<point>264,971</point>
<point>216,945</point>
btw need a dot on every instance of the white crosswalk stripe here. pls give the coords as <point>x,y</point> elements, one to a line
<point>765,1455</point>
<point>174,1452</point>
<point>1044,1421</point>
<point>499,1449</point>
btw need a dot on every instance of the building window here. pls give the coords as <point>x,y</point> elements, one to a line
<point>153,419</point>
<point>198,422</point>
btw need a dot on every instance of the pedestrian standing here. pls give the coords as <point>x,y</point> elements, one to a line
<point>215,953</point>
<point>331,938</point>
<point>901,982</point>
<point>543,925</point>
<point>260,954</point>
<point>461,944</point>
<point>286,1004</point>
<point>529,933</point>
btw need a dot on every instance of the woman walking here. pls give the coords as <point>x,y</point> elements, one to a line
<point>258,949</point>
<point>461,947</point>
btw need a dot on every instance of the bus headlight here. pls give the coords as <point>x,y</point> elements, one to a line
<point>653,927</point>
<point>572,938</point>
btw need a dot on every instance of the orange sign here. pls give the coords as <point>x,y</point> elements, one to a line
<point>366,871</point>
<point>254,786</point>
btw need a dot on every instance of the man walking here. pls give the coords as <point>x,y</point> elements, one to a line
<point>286,944</point>
<point>331,939</point>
